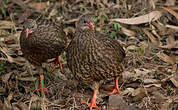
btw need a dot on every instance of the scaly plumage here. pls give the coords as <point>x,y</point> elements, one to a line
<point>92,56</point>
<point>41,40</point>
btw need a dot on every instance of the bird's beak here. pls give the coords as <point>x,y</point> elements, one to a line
<point>91,25</point>
<point>27,31</point>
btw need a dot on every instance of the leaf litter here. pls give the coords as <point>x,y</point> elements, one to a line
<point>147,30</point>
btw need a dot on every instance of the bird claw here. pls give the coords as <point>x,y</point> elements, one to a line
<point>91,105</point>
<point>40,89</point>
<point>115,90</point>
<point>43,88</point>
<point>57,62</point>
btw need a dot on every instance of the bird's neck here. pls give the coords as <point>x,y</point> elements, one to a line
<point>87,32</point>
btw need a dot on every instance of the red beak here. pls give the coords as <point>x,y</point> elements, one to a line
<point>91,25</point>
<point>27,31</point>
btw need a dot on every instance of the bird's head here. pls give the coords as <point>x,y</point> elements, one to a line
<point>86,22</point>
<point>29,25</point>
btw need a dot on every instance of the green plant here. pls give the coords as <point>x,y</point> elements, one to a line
<point>140,51</point>
<point>112,34</point>
<point>95,19</point>
<point>2,7</point>
<point>116,26</point>
<point>3,68</point>
<point>12,20</point>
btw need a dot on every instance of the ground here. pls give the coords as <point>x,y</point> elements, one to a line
<point>147,29</point>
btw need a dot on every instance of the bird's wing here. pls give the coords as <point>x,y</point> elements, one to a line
<point>112,45</point>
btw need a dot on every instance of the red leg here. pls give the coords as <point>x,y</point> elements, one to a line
<point>42,87</point>
<point>59,63</point>
<point>93,101</point>
<point>54,66</point>
<point>116,89</point>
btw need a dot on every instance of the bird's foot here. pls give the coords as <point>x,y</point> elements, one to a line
<point>58,62</point>
<point>93,102</point>
<point>42,87</point>
<point>91,105</point>
<point>116,89</point>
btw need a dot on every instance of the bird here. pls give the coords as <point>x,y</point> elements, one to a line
<point>41,39</point>
<point>93,57</point>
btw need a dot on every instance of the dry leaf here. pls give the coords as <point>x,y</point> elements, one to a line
<point>171,12</point>
<point>150,85</point>
<point>172,27</point>
<point>69,30</point>
<point>6,77</point>
<point>70,21</point>
<point>6,24</point>
<point>174,8</point>
<point>22,17</point>
<point>152,2</point>
<point>165,106</point>
<point>159,96</point>
<point>155,32</point>
<point>138,91</point>
<point>138,94</point>
<point>152,38</point>
<point>91,2</point>
<point>154,15</point>
<point>27,79</point>
<point>160,27</point>
<point>20,3</point>
<point>127,91</point>
<point>105,2</point>
<point>7,103</point>
<point>19,106</point>
<point>174,80</point>
<point>150,81</point>
<point>10,96</point>
<point>2,39</point>
<point>171,43</point>
<point>132,47</point>
<point>170,2</point>
<point>39,6</point>
<point>137,74</point>
<point>127,31</point>
<point>33,98</point>
<point>3,106</point>
<point>9,58</point>
<point>166,58</point>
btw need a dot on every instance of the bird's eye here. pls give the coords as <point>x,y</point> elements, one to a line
<point>84,21</point>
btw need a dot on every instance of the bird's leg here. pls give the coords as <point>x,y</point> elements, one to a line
<point>93,101</point>
<point>42,87</point>
<point>57,60</point>
<point>116,89</point>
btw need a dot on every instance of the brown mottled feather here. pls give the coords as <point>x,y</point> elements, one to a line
<point>46,40</point>
<point>93,56</point>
